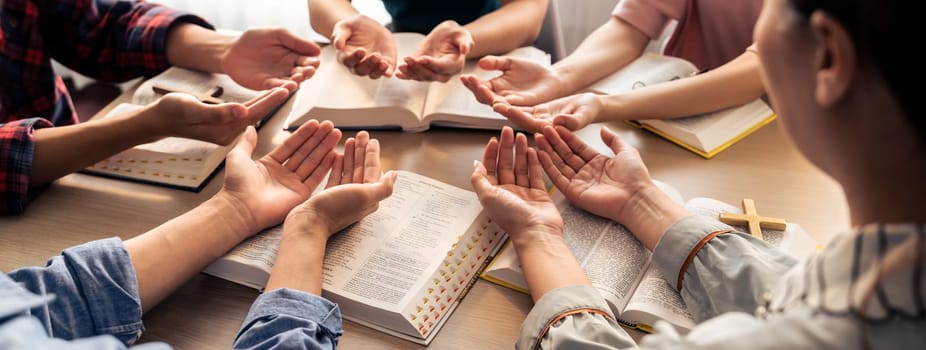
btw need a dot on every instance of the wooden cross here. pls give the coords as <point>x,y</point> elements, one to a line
<point>751,217</point>
<point>211,97</point>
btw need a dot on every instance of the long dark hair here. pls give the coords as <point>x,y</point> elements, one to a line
<point>885,33</point>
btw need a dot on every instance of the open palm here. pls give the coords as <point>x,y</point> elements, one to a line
<point>590,180</point>
<point>522,82</point>
<point>266,58</point>
<point>573,112</point>
<point>510,186</point>
<point>440,56</point>
<point>271,186</point>
<point>365,47</point>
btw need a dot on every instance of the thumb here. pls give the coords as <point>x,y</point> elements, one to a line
<point>219,114</point>
<point>480,180</point>
<point>383,188</point>
<point>296,44</point>
<point>340,35</point>
<point>613,141</point>
<point>495,63</point>
<point>464,42</point>
<point>246,144</point>
<point>570,121</point>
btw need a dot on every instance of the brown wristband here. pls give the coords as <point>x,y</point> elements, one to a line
<point>694,253</point>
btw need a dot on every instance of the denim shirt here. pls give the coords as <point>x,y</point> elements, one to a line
<point>87,298</point>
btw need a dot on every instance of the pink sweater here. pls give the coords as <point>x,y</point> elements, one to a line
<point>709,33</point>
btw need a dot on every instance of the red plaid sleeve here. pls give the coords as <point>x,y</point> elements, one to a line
<point>17,143</point>
<point>111,40</point>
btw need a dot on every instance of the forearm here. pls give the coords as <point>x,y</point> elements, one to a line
<point>324,14</point>
<point>64,150</point>
<point>170,254</point>
<point>609,48</point>
<point>194,47</point>
<point>514,24</point>
<point>299,259</point>
<point>735,83</point>
<point>547,262</point>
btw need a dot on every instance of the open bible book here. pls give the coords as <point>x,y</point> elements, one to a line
<point>706,135</point>
<point>620,267</point>
<point>173,161</point>
<point>403,269</point>
<point>351,101</point>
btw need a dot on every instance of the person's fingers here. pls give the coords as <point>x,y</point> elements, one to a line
<point>578,147</point>
<point>384,186</point>
<point>337,167</point>
<point>351,59</point>
<point>495,63</point>
<point>482,183</point>
<point>506,157</point>
<point>260,107</point>
<point>318,153</point>
<point>464,43</point>
<point>360,150</point>
<point>560,180</point>
<point>318,173</point>
<point>519,116</point>
<point>368,65</point>
<point>347,167</point>
<point>340,35</point>
<point>569,121</point>
<point>298,158</point>
<point>521,174</point>
<point>273,82</point>
<point>490,160</point>
<point>561,148</point>
<point>613,141</point>
<point>555,160</point>
<point>535,170</point>
<point>245,146</point>
<point>425,73</point>
<point>372,168</point>
<point>299,74</point>
<point>289,146</point>
<point>380,71</point>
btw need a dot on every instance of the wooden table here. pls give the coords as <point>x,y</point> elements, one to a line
<point>207,312</point>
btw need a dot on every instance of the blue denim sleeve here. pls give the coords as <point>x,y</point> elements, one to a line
<point>290,319</point>
<point>95,292</point>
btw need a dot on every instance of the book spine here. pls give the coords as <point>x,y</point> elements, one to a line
<point>455,275</point>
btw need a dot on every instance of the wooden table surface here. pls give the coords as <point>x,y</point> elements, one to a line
<point>207,312</point>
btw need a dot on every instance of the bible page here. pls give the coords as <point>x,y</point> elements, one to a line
<point>251,261</point>
<point>611,256</point>
<point>386,258</point>
<point>348,100</point>
<point>656,299</point>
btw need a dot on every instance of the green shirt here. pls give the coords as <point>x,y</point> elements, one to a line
<point>421,16</point>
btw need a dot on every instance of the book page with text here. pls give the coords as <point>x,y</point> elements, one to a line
<point>251,261</point>
<point>656,299</point>
<point>387,257</point>
<point>611,256</point>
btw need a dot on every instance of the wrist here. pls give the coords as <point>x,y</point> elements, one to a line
<point>146,125</point>
<point>612,108</point>
<point>303,224</point>
<point>536,236</point>
<point>235,212</point>
<point>194,47</point>
<point>648,213</point>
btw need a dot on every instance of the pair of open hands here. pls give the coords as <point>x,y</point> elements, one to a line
<point>509,180</point>
<point>368,49</point>
<point>281,184</point>
<point>528,94</point>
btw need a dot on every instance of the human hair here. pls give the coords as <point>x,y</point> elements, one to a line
<point>885,33</point>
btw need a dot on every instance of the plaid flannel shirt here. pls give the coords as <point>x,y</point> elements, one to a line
<point>104,39</point>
